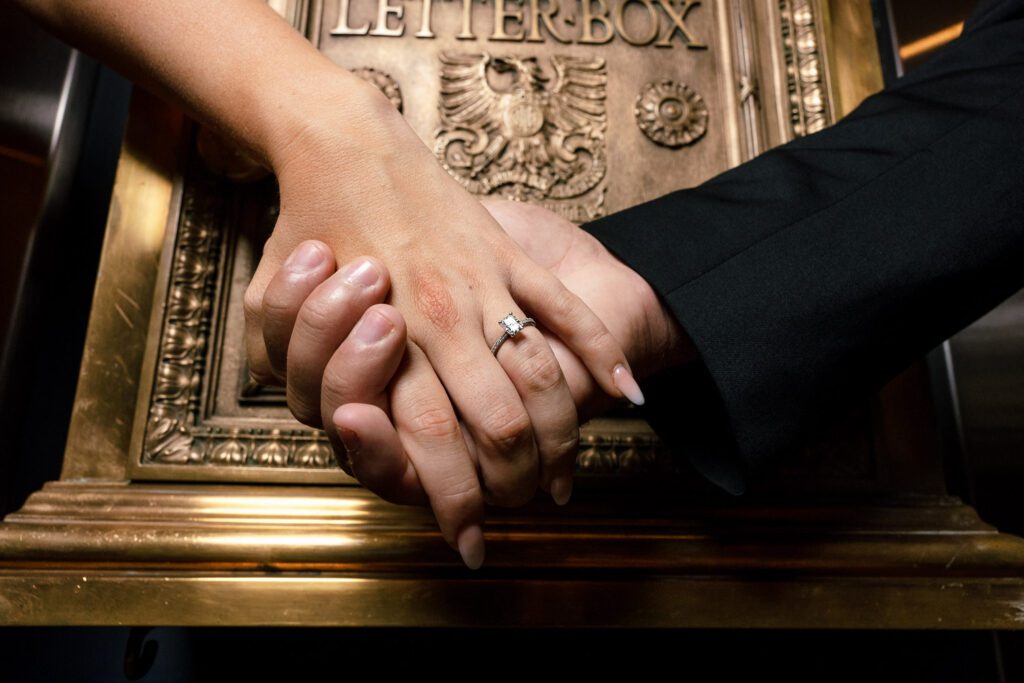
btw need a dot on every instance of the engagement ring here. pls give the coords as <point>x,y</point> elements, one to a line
<point>512,326</point>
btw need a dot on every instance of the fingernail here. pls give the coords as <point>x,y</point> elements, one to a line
<point>361,273</point>
<point>373,327</point>
<point>624,381</point>
<point>561,489</point>
<point>307,257</point>
<point>350,442</point>
<point>471,546</point>
<point>349,439</point>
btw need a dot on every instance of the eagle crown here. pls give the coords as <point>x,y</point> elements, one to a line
<point>528,74</point>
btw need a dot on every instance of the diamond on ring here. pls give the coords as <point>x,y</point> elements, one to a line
<point>512,326</point>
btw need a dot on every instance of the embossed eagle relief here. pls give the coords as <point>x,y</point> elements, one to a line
<point>508,128</point>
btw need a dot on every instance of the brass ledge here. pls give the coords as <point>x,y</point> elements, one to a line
<point>191,554</point>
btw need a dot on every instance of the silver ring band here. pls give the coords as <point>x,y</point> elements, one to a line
<point>512,326</point>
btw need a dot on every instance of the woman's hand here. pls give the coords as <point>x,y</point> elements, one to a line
<point>359,369</point>
<point>355,176</point>
<point>454,274</point>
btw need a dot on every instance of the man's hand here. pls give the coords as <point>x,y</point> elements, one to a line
<point>624,301</point>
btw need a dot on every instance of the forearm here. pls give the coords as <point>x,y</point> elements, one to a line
<point>233,64</point>
<point>814,273</point>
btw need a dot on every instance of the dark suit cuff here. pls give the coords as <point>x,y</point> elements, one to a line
<point>683,404</point>
<point>811,275</point>
<point>685,410</point>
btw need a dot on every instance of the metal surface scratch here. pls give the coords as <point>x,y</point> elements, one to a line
<point>124,316</point>
<point>127,297</point>
<point>119,359</point>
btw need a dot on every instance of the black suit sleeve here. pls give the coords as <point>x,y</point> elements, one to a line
<point>814,273</point>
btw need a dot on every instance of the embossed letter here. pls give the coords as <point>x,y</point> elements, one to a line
<point>500,15</point>
<point>547,16</point>
<point>467,18</point>
<point>678,24</point>
<point>620,22</point>
<point>384,10</point>
<point>425,31</point>
<point>343,29</point>
<point>601,17</point>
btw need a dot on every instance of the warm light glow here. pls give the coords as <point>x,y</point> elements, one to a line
<point>286,540</point>
<point>335,510</point>
<point>929,43</point>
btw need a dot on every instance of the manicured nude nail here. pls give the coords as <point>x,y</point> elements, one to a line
<point>361,273</point>
<point>623,379</point>
<point>373,327</point>
<point>561,488</point>
<point>471,546</point>
<point>307,257</point>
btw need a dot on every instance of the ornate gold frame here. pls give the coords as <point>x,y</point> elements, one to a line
<point>179,436</point>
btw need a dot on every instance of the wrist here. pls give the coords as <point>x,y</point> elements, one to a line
<point>329,118</point>
<point>659,341</point>
<point>671,345</point>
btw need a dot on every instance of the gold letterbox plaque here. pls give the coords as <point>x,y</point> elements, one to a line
<point>583,107</point>
<point>190,496</point>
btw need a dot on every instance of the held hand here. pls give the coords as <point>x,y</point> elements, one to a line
<point>372,450</point>
<point>354,175</point>
<point>455,274</point>
<point>342,345</point>
<point>622,299</point>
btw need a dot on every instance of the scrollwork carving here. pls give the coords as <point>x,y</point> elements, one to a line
<point>231,451</point>
<point>174,432</point>
<point>272,453</point>
<point>169,432</point>
<point>316,454</point>
<point>625,454</point>
<point>808,100</point>
<point>168,439</point>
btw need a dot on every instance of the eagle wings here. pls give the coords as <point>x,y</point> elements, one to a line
<point>507,127</point>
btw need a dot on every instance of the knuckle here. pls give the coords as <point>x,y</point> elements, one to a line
<point>539,371</point>
<point>252,303</point>
<point>507,429</point>
<point>304,410</point>
<point>458,499</point>
<point>565,446</point>
<point>603,340</point>
<point>565,304</point>
<point>318,316</point>
<point>337,384</point>
<point>263,375</point>
<point>434,423</point>
<point>509,257</point>
<point>276,304</point>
